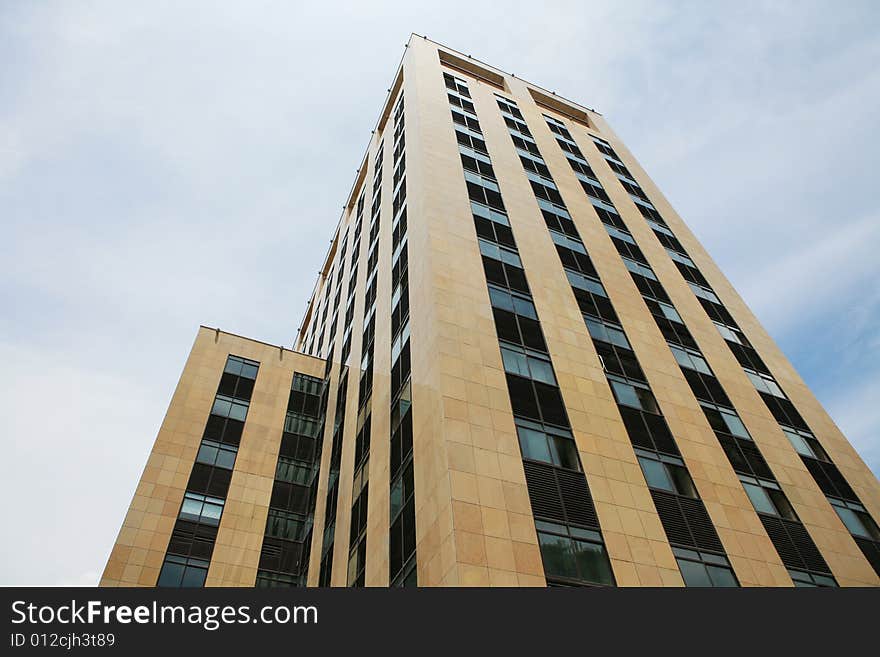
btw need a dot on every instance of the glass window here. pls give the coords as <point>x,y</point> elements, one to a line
<point>681,356</point>
<point>735,425</point>
<point>193,577</point>
<point>549,446</point>
<point>214,453</point>
<point>241,367</point>
<point>854,523</point>
<point>574,559</point>
<point>249,370</point>
<point>522,397</point>
<point>225,458</point>
<point>670,313</point>
<point>171,575</point>
<point>760,499</point>
<point>700,364</point>
<point>773,388</point>
<point>233,365</point>
<point>799,443</point>
<point>818,450</point>
<point>510,258</point>
<point>534,444</point>
<point>675,255</point>
<point>201,508</point>
<point>180,571</point>
<point>500,299</point>
<point>647,401</point>
<point>780,501</point>
<point>714,418</point>
<point>221,407</point>
<point>292,471</point>
<point>284,524</point>
<point>655,474</point>
<point>592,562</point>
<point>690,360</point>
<point>626,394</point>
<point>207,453</point>
<point>616,336</point>
<point>694,573</point>
<point>211,512</point>
<point>495,251</point>
<point>667,476</point>
<point>550,402</point>
<point>558,555</point>
<point>582,282</point>
<point>524,307</point>
<point>605,333</point>
<point>684,485</point>
<point>396,496</point>
<point>515,362</point>
<point>551,527</point>
<point>596,329</point>
<point>594,286</point>
<point>765,383</point>
<point>727,334</point>
<point>704,293</point>
<point>703,569</point>
<point>757,381</point>
<point>564,452</point>
<point>802,578</point>
<point>238,411</point>
<point>724,420</point>
<point>191,509</point>
<point>630,395</point>
<point>721,576</point>
<point>541,370</point>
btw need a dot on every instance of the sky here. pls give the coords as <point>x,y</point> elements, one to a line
<point>170,164</point>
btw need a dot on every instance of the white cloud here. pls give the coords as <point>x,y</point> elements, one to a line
<point>808,280</point>
<point>75,439</point>
<point>185,164</point>
<point>857,414</point>
<point>88,578</point>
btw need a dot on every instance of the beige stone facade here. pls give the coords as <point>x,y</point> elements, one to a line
<point>474,523</point>
<point>140,548</point>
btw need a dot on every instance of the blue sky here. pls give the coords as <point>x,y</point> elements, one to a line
<point>185,164</point>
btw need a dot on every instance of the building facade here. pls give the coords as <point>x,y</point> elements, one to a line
<point>518,368</point>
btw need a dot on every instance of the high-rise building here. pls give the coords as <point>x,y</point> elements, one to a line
<point>518,368</point>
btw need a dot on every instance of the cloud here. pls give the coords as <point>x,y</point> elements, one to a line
<point>88,578</point>
<point>76,438</point>
<point>809,279</point>
<point>185,164</point>
<point>858,415</point>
